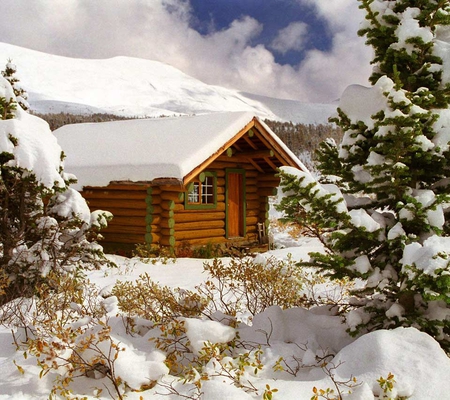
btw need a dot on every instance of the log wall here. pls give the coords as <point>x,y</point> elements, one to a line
<point>197,227</point>
<point>128,203</point>
<point>157,215</point>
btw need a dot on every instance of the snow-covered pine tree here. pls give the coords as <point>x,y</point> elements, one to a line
<point>21,95</point>
<point>384,218</point>
<point>45,226</point>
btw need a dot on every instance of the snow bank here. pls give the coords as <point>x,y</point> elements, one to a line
<point>298,325</point>
<point>420,367</point>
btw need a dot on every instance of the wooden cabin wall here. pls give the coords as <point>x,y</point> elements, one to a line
<point>192,227</point>
<point>198,227</point>
<point>128,203</point>
<point>156,215</point>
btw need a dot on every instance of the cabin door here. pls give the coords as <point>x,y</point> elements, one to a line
<point>235,203</point>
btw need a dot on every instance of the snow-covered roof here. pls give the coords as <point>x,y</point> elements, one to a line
<point>148,149</point>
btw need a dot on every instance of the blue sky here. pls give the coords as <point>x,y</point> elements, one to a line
<point>275,15</point>
<point>295,49</point>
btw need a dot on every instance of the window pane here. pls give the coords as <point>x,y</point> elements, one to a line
<point>208,190</point>
<point>202,192</point>
<point>194,194</point>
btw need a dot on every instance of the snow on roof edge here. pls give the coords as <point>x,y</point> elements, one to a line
<point>146,149</point>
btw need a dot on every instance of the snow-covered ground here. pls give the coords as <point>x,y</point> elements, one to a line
<point>138,88</point>
<point>420,368</point>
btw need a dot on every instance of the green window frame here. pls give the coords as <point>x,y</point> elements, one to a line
<point>202,192</point>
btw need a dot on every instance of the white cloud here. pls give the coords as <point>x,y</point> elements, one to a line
<point>160,30</point>
<point>291,37</point>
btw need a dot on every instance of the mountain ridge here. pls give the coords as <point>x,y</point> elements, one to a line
<point>135,87</point>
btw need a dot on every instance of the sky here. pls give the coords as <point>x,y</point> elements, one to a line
<point>306,50</point>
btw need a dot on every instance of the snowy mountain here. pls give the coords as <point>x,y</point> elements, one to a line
<point>137,87</point>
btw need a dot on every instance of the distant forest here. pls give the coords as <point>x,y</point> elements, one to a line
<point>57,120</point>
<point>304,138</point>
<point>300,138</point>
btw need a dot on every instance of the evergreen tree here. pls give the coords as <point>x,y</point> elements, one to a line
<point>21,95</point>
<point>45,226</point>
<point>384,220</point>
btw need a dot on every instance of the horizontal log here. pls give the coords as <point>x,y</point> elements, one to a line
<point>167,223</point>
<point>199,216</point>
<point>251,181</point>
<point>263,215</point>
<point>197,234</point>
<point>154,190</point>
<point>128,221</point>
<point>114,194</point>
<point>201,241</point>
<point>126,187</point>
<point>154,209</point>
<point>177,197</point>
<point>175,188</point>
<point>268,187</point>
<point>267,191</point>
<point>253,212</point>
<point>264,206</point>
<point>251,173</point>
<point>153,199</point>
<point>255,154</point>
<point>116,203</point>
<point>123,238</point>
<point>220,182</point>
<point>179,208</point>
<point>138,230</point>
<point>167,214</point>
<point>152,228</point>
<point>153,219</point>
<point>167,231</point>
<point>170,205</point>
<point>226,162</point>
<point>251,229</point>
<point>167,241</point>
<point>253,205</point>
<point>252,237</point>
<point>188,226</point>
<point>129,212</point>
<point>251,221</point>
<point>265,179</point>
<point>251,189</point>
<point>252,196</point>
<point>152,237</point>
<point>220,173</point>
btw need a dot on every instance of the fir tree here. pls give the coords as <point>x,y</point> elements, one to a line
<point>20,93</point>
<point>384,220</point>
<point>46,228</point>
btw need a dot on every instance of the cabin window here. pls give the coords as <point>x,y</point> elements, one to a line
<point>202,193</point>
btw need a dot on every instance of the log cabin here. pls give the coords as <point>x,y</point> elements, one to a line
<point>178,181</point>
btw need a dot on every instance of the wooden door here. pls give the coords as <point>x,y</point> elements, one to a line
<point>235,204</point>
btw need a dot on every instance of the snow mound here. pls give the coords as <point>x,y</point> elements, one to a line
<point>410,355</point>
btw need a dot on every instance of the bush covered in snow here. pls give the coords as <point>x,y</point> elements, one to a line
<point>45,226</point>
<point>381,211</point>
